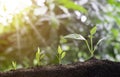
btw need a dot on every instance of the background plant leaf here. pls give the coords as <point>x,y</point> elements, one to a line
<point>71,5</point>
<point>75,36</point>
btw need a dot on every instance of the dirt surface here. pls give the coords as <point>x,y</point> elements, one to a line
<point>91,68</point>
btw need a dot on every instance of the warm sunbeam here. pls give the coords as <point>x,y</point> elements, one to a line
<point>8,8</point>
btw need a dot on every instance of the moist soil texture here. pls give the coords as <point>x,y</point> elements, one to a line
<point>90,68</point>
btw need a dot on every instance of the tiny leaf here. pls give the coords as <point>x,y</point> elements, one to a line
<point>59,50</point>
<point>14,65</point>
<point>75,36</point>
<point>38,54</point>
<point>38,49</point>
<point>93,30</point>
<point>98,43</point>
<point>63,55</point>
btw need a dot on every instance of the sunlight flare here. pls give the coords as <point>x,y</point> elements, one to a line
<point>8,8</point>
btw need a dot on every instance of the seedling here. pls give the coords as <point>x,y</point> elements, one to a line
<point>38,57</point>
<point>89,46</point>
<point>14,65</point>
<point>61,54</point>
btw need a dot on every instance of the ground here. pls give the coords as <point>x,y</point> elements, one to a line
<point>90,68</point>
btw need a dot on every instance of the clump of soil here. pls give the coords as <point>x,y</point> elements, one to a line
<point>91,68</point>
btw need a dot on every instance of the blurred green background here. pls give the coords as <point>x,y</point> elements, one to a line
<point>26,25</point>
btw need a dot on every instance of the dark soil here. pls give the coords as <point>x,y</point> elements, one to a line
<point>91,68</point>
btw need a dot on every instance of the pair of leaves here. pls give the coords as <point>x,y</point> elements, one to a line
<point>39,56</point>
<point>14,65</point>
<point>61,53</point>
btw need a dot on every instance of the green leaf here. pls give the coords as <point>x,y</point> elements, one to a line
<point>111,1</point>
<point>38,50</point>
<point>63,55</point>
<point>93,30</point>
<point>99,43</point>
<point>115,32</point>
<point>71,5</point>
<point>117,19</point>
<point>75,36</point>
<point>59,50</point>
<point>14,65</point>
<point>38,55</point>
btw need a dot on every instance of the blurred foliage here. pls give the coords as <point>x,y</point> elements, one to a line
<point>45,22</point>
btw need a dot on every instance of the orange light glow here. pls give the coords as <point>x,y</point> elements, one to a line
<point>8,8</point>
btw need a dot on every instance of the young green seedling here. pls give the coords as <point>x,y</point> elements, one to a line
<point>80,37</point>
<point>38,57</point>
<point>14,65</point>
<point>61,54</point>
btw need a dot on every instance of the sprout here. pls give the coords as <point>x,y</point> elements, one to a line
<point>38,57</point>
<point>61,54</point>
<point>89,46</point>
<point>14,65</point>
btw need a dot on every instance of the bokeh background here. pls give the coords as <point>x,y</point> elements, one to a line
<point>26,25</point>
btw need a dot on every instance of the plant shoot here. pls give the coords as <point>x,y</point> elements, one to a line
<point>90,46</point>
<point>61,54</point>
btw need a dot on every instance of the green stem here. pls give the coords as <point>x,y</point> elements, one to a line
<point>91,41</point>
<point>92,50</point>
<point>59,59</point>
<point>92,53</point>
<point>88,45</point>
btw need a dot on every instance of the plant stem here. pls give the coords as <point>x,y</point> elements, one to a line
<point>91,42</point>
<point>88,45</point>
<point>59,59</point>
<point>92,53</point>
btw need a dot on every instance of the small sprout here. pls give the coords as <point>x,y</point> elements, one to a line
<point>80,37</point>
<point>61,54</point>
<point>14,65</point>
<point>38,57</point>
